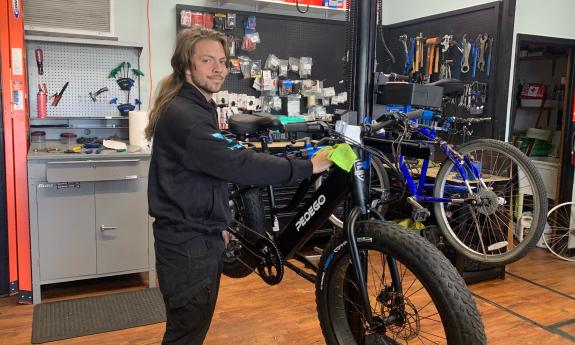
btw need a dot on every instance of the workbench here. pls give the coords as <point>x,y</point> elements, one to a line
<point>88,216</point>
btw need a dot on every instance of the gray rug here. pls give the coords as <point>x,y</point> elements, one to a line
<point>92,315</point>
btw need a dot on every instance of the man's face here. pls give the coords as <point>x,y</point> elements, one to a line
<point>209,66</point>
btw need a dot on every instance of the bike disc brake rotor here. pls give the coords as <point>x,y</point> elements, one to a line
<point>407,324</point>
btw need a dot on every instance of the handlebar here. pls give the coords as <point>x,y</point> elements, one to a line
<point>412,115</point>
<point>311,127</point>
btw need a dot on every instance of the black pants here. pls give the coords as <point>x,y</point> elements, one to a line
<point>189,277</point>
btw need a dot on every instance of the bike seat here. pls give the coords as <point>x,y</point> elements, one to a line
<point>450,86</point>
<point>245,124</point>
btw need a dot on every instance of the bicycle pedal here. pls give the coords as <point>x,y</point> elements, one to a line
<point>420,215</point>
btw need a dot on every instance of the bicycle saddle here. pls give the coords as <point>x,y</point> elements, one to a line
<point>451,87</point>
<point>245,124</point>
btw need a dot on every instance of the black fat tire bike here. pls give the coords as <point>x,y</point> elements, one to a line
<point>376,282</point>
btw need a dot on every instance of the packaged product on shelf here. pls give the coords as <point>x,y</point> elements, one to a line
<point>285,87</point>
<point>235,67</point>
<point>250,24</point>
<point>230,21</point>
<point>232,45</point>
<point>272,62</point>
<point>247,44</point>
<point>277,103</point>
<point>293,105</point>
<point>220,21</point>
<point>311,87</point>
<point>246,65</point>
<point>186,18</point>
<point>294,64</point>
<point>256,69</point>
<point>305,64</point>
<point>283,68</point>
<point>209,20</point>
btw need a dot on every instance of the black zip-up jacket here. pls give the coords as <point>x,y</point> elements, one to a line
<point>191,166</point>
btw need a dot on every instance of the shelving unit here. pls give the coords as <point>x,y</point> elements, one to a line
<point>542,57</point>
<point>265,5</point>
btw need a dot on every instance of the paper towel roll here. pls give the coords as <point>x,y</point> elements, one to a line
<point>138,120</point>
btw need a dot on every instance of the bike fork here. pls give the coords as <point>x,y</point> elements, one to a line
<point>361,210</point>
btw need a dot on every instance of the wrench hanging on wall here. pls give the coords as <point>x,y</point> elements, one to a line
<point>466,46</point>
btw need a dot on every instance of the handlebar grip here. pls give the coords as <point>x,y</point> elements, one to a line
<point>380,125</point>
<point>416,114</point>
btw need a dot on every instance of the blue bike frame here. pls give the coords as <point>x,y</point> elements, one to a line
<point>416,190</point>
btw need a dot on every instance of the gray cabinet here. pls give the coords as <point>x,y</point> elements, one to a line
<point>66,221</point>
<point>121,225</point>
<point>89,218</point>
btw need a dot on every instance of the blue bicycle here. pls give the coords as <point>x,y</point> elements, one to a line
<point>479,194</point>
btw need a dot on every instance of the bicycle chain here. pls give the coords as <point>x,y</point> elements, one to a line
<point>264,251</point>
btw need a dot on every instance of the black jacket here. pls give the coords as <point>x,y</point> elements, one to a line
<point>192,164</point>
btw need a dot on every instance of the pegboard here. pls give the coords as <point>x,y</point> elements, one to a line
<point>86,68</point>
<point>471,21</point>
<point>285,36</point>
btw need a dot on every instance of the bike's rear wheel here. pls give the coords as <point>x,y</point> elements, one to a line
<point>487,231</point>
<point>431,306</point>
<point>247,208</point>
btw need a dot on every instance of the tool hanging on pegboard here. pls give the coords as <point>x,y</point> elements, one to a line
<point>39,60</point>
<point>473,99</point>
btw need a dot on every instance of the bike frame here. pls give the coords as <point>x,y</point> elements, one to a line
<point>317,210</point>
<point>416,190</point>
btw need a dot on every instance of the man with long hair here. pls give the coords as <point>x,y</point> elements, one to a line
<point>188,182</point>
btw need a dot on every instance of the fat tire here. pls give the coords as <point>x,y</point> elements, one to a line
<point>252,215</point>
<point>457,309</point>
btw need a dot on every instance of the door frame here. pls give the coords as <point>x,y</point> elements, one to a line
<point>566,170</point>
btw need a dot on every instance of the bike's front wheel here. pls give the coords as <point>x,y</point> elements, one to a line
<point>489,226</point>
<point>414,292</point>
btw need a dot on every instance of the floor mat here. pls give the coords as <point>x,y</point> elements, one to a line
<point>92,315</point>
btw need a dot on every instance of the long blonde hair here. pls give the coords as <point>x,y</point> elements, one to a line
<point>181,61</point>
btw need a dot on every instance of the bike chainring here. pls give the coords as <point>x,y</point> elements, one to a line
<point>262,251</point>
<point>270,267</point>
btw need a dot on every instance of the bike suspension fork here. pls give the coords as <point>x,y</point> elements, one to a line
<point>357,261</point>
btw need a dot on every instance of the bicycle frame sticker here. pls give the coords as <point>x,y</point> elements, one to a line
<point>315,212</point>
<point>310,212</point>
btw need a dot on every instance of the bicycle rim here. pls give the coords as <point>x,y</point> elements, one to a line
<point>507,219</point>
<point>559,236</point>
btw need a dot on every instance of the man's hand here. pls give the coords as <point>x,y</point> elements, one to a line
<point>321,162</point>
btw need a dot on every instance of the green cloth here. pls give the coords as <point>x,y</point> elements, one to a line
<point>341,155</point>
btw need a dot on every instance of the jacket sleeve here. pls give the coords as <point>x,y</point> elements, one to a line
<point>209,152</point>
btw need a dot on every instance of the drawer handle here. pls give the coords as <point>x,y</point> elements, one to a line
<point>104,228</point>
<point>97,161</point>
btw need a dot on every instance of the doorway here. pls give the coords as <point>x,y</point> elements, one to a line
<point>541,115</point>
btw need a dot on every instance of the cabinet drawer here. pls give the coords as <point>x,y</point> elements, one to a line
<point>95,170</point>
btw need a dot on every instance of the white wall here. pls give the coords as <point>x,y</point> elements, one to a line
<point>395,11</point>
